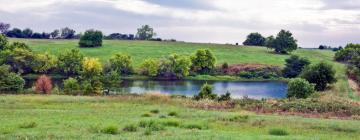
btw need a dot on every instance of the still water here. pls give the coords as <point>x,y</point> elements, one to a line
<point>255,90</point>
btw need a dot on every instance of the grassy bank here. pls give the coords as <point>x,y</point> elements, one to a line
<point>122,117</point>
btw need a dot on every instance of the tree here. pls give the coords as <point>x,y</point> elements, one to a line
<point>27,33</point>
<point>43,63</point>
<point>174,67</point>
<point>55,34</point>
<point>71,86</point>
<point>203,61</point>
<point>67,33</point>
<point>19,56</point>
<point>121,63</point>
<point>43,84</point>
<point>111,79</point>
<point>91,38</point>
<point>145,32</point>
<point>255,39</point>
<point>283,43</point>
<point>15,32</point>
<point>149,67</point>
<point>346,54</point>
<point>4,27</point>
<point>300,88</point>
<point>91,76</point>
<point>320,74</point>
<point>70,62</point>
<point>294,66</point>
<point>10,81</point>
<point>206,93</point>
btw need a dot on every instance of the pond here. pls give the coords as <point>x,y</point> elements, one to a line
<point>238,89</point>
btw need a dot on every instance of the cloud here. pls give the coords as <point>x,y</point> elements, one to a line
<point>313,22</point>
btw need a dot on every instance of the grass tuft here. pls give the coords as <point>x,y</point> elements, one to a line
<point>146,115</point>
<point>110,130</point>
<point>173,113</point>
<point>28,125</point>
<point>130,128</point>
<point>155,111</point>
<point>151,124</point>
<point>278,132</point>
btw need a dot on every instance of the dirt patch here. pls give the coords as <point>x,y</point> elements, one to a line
<point>354,86</point>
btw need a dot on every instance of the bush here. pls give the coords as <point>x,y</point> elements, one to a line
<point>205,93</point>
<point>172,123</point>
<point>349,52</point>
<point>43,63</point>
<point>71,86</point>
<point>3,42</point>
<point>70,62</point>
<point>19,57</point>
<point>155,111</point>
<point>28,125</point>
<point>255,39</point>
<point>91,76</point>
<point>146,115</point>
<point>110,130</point>
<point>10,81</point>
<point>152,125</point>
<point>193,126</point>
<point>111,79</point>
<point>43,84</point>
<point>278,132</point>
<point>91,38</point>
<point>203,61</point>
<point>225,97</point>
<point>121,63</point>
<point>320,74</point>
<point>174,67</point>
<point>300,88</point>
<point>130,128</point>
<point>294,65</point>
<point>173,113</point>
<point>149,67</point>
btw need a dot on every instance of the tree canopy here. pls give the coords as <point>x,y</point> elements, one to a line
<point>145,32</point>
<point>283,43</point>
<point>255,39</point>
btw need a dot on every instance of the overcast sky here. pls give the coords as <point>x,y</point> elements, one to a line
<point>313,22</point>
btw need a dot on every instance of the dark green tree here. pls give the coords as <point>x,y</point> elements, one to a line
<point>294,65</point>
<point>283,43</point>
<point>300,88</point>
<point>203,61</point>
<point>70,62</point>
<point>91,38</point>
<point>145,32</point>
<point>321,74</point>
<point>255,39</point>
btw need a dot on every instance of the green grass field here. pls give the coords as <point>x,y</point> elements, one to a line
<point>140,50</point>
<point>76,117</point>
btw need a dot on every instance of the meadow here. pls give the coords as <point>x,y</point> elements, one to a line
<point>152,117</point>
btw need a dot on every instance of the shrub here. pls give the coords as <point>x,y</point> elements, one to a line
<point>91,38</point>
<point>155,111</point>
<point>238,118</point>
<point>28,125</point>
<point>172,123</point>
<point>278,132</point>
<point>121,63</point>
<point>43,84</point>
<point>203,61</point>
<point>349,52</point>
<point>225,97</point>
<point>146,115</point>
<point>70,62</point>
<point>300,88</point>
<point>10,81</point>
<point>193,126</point>
<point>149,67</point>
<point>174,67</point>
<point>71,86</point>
<point>19,57</point>
<point>294,65</point>
<point>110,130</point>
<point>111,79</point>
<point>91,75</point>
<point>255,39</point>
<point>43,63</point>
<point>130,128</point>
<point>320,74</point>
<point>3,42</point>
<point>173,113</point>
<point>205,93</point>
<point>152,125</point>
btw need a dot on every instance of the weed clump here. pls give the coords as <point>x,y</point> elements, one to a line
<point>28,125</point>
<point>130,128</point>
<point>155,111</point>
<point>238,118</point>
<point>152,125</point>
<point>110,130</point>
<point>278,132</point>
<point>172,123</point>
<point>193,126</point>
<point>146,115</point>
<point>173,113</point>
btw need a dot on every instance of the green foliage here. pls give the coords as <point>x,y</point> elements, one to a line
<point>175,66</point>
<point>10,81</point>
<point>278,132</point>
<point>130,128</point>
<point>152,125</point>
<point>43,63</point>
<point>225,97</point>
<point>206,93</point>
<point>300,88</point>
<point>255,39</point>
<point>70,62</point>
<point>283,43</point>
<point>173,113</point>
<point>146,115</point>
<point>3,42</point>
<point>155,111</point>
<point>121,63</point>
<point>71,86</point>
<point>237,118</point>
<point>19,56</point>
<point>91,74</point>
<point>145,32</point>
<point>349,52</point>
<point>294,65</point>
<point>110,130</point>
<point>320,74</point>
<point>172,123</point>
<point>264,74</point>
<point>149,67</point>
<point>203,61</point>
<point>193,126</point>
<point>28,125</point>
<point>91,38</point>
<point>111,79</point>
